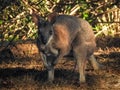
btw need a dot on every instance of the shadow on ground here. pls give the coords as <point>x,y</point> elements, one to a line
<point>62,77</point>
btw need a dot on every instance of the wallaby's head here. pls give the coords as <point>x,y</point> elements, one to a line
<point>45,29</point>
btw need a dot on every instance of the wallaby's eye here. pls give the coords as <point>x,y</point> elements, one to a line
<point>50,32</point>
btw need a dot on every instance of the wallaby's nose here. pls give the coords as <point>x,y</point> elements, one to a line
<point>44,41</point>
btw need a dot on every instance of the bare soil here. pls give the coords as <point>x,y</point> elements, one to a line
<point>22,69</point>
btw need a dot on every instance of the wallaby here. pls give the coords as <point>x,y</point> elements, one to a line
<point>61,34</point>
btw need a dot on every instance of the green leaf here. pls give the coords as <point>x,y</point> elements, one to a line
<point>1,21</point>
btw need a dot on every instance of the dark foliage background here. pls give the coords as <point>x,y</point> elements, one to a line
<point>16,23</point>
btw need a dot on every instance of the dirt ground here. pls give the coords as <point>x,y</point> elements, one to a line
<point>22,69</point>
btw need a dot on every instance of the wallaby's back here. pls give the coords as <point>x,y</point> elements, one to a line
<point>70,31</point>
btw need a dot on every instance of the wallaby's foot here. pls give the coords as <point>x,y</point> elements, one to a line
<point>83,86</point>
<point>49,82</point>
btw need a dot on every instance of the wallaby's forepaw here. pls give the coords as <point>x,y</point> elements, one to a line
<point>54,63</point>
<point>48,67</point>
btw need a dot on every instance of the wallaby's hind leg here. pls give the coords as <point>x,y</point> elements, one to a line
<point>94,63</point>
<point>81,62</point>
<point>81,65</point>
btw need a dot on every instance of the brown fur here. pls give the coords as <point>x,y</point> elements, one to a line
<point>70,34</point>
<point>61,37</point>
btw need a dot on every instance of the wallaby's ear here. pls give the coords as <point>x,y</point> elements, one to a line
<point>39,21</point>
<point>52,16</point>
<point>35,18</point>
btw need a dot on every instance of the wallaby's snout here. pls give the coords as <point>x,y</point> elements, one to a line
<point>43,39</point>
<point>45,32</point>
